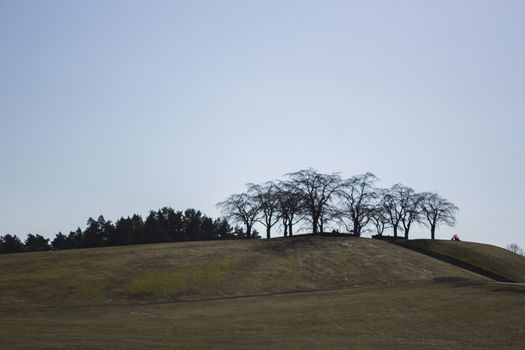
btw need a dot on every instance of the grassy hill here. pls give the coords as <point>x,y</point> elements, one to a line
<point>306,292</point>
<point>488,257</point>
<point>197,270</point>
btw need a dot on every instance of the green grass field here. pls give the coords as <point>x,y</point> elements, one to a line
<point>284,293</point>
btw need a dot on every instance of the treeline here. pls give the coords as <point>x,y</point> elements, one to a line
<point>330,202</point>
<point>163,225</point>
<point>323,202</point>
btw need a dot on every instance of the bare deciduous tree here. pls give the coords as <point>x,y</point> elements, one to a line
<point>358,195</point>
<point>513,247</point>
<point>241,208</point>
<point>437,211</point>
<point>392,207</point>
<point>266,197</point>
<point>378,214</point>
<point>331,214</point>
<point>290,207</point>
<point>317,192</point>
<point>410,202</point>
<point>322,199</point>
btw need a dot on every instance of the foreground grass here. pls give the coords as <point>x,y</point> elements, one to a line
<point>422,315</point>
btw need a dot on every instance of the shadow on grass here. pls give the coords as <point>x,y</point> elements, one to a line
<point>454,261</point>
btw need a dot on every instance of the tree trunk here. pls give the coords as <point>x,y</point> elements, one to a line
<point>290,232</point>
<point>248,231</point>
<point>395,231</point>
<point>268,229</point>
<point>433,232</point>
<point>357,230</point>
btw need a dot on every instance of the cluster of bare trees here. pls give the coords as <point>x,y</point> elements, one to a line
<point>329,200</point>
<point>513,247</point>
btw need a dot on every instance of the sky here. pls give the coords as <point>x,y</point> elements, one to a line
<point>119,107</point>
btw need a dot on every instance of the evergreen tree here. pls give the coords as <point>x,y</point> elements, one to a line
<point>60,242</point>
<point>11,244</point>
<point>36,243</point>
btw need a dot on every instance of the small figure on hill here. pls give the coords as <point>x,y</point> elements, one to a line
<point>455,237</point>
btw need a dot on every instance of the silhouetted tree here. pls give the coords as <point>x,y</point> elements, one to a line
<point>96,233</point>
<point>167,225</point>
<point>193,222</point>
<point>163,225</point>
<point>290,207</point>
<point>331,214</point>
<point>175,226</point>
<point>207,229</point>
<point>223,229</point>
<point>358,198</point>
<point>35,243</point>
<point>267,200</point>
<point>60,242</point>
<point>129,230</point>
<point>411,211</point>
<point>379,219</point>
<point>242,209</point>
<point>437,211</point>
<point>317,192</point>
<point>121,234</point>
<point>11,244</point>
<point>513,247</point>
<point>392,207</point>
<point>75,239</point>
<point>155,227</point>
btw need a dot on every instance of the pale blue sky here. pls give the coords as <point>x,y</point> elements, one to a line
<point>118,107</point>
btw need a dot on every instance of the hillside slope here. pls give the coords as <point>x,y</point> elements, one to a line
<point>200,270</point>
<point>488,257</point>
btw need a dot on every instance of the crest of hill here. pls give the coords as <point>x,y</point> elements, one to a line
<point>214,269</point>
